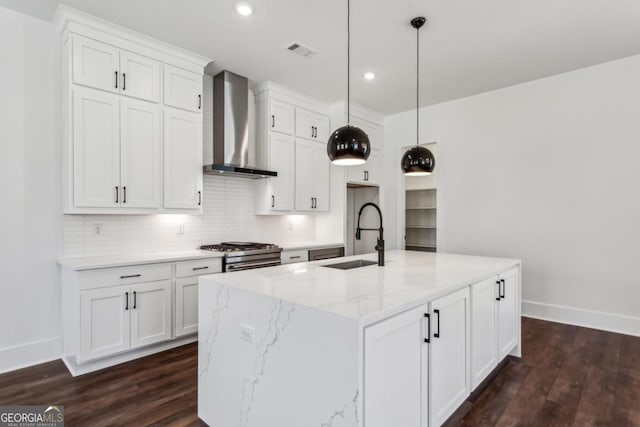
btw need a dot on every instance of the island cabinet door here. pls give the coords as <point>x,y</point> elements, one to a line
<point>449,355</point>
<point>396,371</point>
<point>484,329</point>
<point>508,313</point>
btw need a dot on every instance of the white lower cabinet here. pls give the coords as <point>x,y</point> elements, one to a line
<point>104,322</point>
<point>150,313</point>
<point>119,318</point>
<point>115,314</point>
<point>396,371</point>
<point>449,355</point>
<point>186,306</point>
<point>508,313</point>
<point>484,329</point>
<point>495,317</point>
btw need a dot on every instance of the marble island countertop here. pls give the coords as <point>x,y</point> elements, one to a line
<point>367,293</point>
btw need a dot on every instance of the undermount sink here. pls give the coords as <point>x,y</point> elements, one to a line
<point>351,264</point>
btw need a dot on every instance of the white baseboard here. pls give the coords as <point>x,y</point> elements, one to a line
<point>84,368</point>
<point>576,316</point>
<point>29,354</point>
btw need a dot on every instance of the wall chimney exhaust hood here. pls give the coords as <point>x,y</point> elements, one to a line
<point>231,128</point>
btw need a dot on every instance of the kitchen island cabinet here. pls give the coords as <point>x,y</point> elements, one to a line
<point>304,344</point>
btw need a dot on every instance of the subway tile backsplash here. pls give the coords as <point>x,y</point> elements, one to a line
<point>228,206</point>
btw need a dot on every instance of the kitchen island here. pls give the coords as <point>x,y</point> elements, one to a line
<point>307,345</point>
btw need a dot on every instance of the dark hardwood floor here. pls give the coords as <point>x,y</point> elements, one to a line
<point>568,376</point>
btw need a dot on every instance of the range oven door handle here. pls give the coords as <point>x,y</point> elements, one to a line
<point>247,266</point>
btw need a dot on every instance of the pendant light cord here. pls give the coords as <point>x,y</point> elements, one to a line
<point>417,85</point>
<point>348,61</point>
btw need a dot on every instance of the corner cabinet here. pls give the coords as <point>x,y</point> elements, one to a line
<point>292,134</point>
<point>132,113</point>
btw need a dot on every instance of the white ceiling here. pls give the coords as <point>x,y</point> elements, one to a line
<point>467,47</point>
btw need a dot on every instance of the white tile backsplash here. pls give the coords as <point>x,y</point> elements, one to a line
<point>228,206</point>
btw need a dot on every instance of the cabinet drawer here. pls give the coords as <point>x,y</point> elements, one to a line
<point>289,257</point>
<point>92,279</point>
<point>198,267</point>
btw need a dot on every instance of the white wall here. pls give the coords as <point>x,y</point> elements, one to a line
<point>547,171</point>
<point>30,176</point>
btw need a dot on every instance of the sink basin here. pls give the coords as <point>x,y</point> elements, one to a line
<point>348,265</point>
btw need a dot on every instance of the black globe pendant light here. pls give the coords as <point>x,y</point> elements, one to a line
<point>418,161</point>
<point>348,145</point>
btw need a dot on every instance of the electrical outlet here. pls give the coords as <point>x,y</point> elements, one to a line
<point>246,333</point>
<point>180,229</point>
<point>97,227</point>
<point>291,227</point>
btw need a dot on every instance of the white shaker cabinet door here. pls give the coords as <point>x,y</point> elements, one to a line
<point>104,322</point>
<point>141,154</point>
<point>305,126</point>
<point>396,371</point>
<point>508,313</point>
<point>484,329</point>
<point>186,306</point>
<point>282,117</point>
<point>281,160</point>
<point>305,175</point>
<point>182,159</point>
<point>150,306</point>
<point>96,149</point>
<point>96,64</point>
<point>321,177</point>
<point>182,89</point>
<point>449,355</point>
<point>322,130</point>
<point>140,77</point>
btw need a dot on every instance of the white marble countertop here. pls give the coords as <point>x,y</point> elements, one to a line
<point>90,263</point>
<point>367,293</point>
<point>289,246</point>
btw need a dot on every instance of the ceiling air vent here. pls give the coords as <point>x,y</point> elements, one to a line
<point>301,49</point>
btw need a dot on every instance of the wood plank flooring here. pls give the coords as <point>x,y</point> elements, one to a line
<point>568,376</point>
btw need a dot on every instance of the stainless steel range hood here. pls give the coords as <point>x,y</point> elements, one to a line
<point>231,128</point>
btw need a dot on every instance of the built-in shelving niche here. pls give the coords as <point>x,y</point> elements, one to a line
<point>420,220</point>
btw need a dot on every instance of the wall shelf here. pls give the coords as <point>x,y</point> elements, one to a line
<point>420,220</point>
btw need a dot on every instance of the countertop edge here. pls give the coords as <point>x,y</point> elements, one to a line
<point>93,263</point>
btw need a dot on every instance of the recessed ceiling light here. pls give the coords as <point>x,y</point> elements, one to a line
<point>369,75</point>
<point>244,8</point>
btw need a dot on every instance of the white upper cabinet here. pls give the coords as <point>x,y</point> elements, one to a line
<point>310,125</point>
<point>449,352</point>
<point>369,173</point>
<point>281,160</point>
<point>396,371</point>
<point>312,177</point>
<point>117,123</point>
<point>141,154</point>
<point>182,89</point>
<point>140,77</point>
<point>182,159</point>
<point>281,117</point>
<point>96,149</point>
<point>96,64</point>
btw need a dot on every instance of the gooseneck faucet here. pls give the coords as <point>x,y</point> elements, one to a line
<point>380,246</point>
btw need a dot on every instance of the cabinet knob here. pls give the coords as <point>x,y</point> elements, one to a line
<point>437,334</point>
<point>124,81</point>
<point>428,335</point>
<point>116,80</point>
<point>199,102</point>
<point>117,194</point>
<point>498,283</point>
<point>199,198</point>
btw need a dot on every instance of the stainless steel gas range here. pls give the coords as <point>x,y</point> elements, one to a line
<point>240,256</point>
